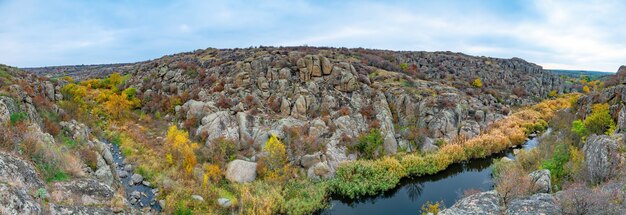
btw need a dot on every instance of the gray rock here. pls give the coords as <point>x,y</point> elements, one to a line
<point>14,169</point>
<point>82,191</point>
<point>476,204</point>
<point>224,202</point>
<point>309,160</point>
<point>105,175</point>
<point>136,178</point>
<point>197,198</point>
<point>536,204</point>
<point>601,157</point>
<point>318,171</point>
<point>241,171</point>
<point>135,195</point>
<point>17,201</point>
<point>78,210</point>
<point>122,174</point>
<point>541,180</point>
<point>428,145</point>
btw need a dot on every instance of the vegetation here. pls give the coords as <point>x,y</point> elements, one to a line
<point>600,120</point>
<point>369,177</point>
<point>477,83</point>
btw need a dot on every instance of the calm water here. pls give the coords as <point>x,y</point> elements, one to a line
<point>412,193</point>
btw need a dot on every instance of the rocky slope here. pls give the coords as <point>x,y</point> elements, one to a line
<point>28,153</point>
<point>328,97</point>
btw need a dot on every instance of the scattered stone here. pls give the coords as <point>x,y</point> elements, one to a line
<point>197,198</point>
<point>224,202</point>
<point>136,179</point>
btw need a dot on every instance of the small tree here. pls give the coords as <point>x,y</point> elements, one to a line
<point>117,106</point>
<point>180,148</point>
<point>274,165</point>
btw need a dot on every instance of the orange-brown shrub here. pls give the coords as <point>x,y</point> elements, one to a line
<point>345,111</point>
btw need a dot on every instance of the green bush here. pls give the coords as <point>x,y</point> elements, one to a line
<point>304,197</point>
<point>556,162</point>
<point>600,120</point>
<point>370,145</point>
<point>416,165</point>
<point>363,177</point>
<point>578,127</point>
<point>18,117</point>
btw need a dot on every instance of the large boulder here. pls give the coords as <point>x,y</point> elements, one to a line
<point>541,203</point>
<point>601,157</point>
<point>7,107</point>
<point>541,180</point>
<point>218,125</point>
<point>15,170</point>
<point>476,204</point>
<point>82,192</point>
<point>78,210</point>
<point>17,201</point>
<point>78,131</point>
<point>241,171</point>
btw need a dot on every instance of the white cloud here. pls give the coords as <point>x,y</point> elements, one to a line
<point>555,34</point>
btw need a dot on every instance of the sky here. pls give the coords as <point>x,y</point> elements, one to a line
<point>585,35</point>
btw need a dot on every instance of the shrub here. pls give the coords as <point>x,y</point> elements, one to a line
<point>600,120</point>
<point>181,148</point>
<point>51,127</point>
<point>477,83</point>
<point>370,145</point>
<point>368,112</point>
<point>212,173</point>
<point>304,197</point>
<point>117,106</point>
<point>432,207</point>
<point>90,158</point>
<point>416,165</point>
<point>512,183</point>
<point>556,163</point>
<point>18,117</point>
<point>364,177</point>
<point>222,151</point>
<point>344,111</point>
<point>552,94</point>
<point>274,165</point>
<point>578,127</point>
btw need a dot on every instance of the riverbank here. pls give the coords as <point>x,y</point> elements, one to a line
<point>371,177</point>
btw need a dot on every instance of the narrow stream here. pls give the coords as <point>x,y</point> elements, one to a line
<point>447,186</point>
<point>140,195</point>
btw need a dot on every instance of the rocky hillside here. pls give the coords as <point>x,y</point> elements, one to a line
<point>50,164</point>
<point>331,96</point>
<point>80,72</point>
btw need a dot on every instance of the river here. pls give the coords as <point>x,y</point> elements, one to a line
<point>409,196</point>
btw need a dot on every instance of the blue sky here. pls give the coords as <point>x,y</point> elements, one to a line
<point>554,34</point>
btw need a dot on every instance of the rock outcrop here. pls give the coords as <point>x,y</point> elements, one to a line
<point>541,181</point>
<point>479,203</point>
<point>601,157</point>
<point>536,204</point>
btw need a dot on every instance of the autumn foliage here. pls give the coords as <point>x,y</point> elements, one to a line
<point>181,149</point>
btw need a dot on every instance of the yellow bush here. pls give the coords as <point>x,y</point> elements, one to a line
<point>117,106</point>
<point>477,83</point>
<point>212,173</point>
<point>181,148</point>
<point>274,165</point>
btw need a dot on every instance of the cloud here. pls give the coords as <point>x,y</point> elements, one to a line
<point>555,34</point>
